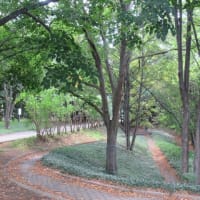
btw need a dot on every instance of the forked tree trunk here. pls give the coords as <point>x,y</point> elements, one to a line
<point>111,119</point>
<point>184,75</point>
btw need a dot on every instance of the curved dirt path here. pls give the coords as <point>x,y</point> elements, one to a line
<point>23,177</point>
<point>27,172</point>
<point>166,170</point>
<point>9,190</point>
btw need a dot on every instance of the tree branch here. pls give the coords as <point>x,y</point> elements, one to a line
<point>91,85</point>
<point>18,52</point>
<point>195,36</point>
<point>39,21</point>
<point>162,105</point>
<point>24,10</point>
<point>108,67</point>
<point>153,54</point>
<point>98,64</point>
<point>87,101</point>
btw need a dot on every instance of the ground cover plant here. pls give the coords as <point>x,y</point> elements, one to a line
<point>88,160</point>
<point>16,126</point>
<point>134,168</point>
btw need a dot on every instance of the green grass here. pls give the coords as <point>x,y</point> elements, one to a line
<point>16,126</point>
<point>173,153</point>
<point>32,142</point>
<point>96,134</point>
<point>25,143</point>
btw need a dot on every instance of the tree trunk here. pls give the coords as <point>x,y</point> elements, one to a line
<point>197,148</point>
<point>111,119</point>
<point>183,75</point>
<point>111,150</point>
<point>127,109</point>
<point>138,111</point>
<point>9,105</point>
<point>185,139</point>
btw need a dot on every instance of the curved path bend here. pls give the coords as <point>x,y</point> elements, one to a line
<point>27,172</point>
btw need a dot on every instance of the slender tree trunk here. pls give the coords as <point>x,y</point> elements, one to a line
<point>185,139</point>
<point>127,109</point>
<point>197,148</point>
<point>192,136</point>
<point>183,75</point>
<point>138,111</point>
<point>9,105</point>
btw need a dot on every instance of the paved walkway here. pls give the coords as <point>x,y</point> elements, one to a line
<point>26,134</point>
<point>18,135</point>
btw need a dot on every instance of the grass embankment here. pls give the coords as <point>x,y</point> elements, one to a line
<point>15,126</point>
<point>172,151</point>
<point>88,160</point>
<point>134,168</point>
<point>54,140</point>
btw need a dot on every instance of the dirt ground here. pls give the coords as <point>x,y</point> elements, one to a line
<point>12,191</point>
<point>8,189</point>
<point>166,170</point>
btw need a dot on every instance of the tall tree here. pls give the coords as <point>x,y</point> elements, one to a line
<point>105,25</point>
<point>184,73</point>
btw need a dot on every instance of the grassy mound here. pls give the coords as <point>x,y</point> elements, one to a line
<point>134,168</point>
<point>88,160</point>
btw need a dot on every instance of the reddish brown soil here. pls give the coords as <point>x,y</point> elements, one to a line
<point>9,190</point>
<point>12,191</point>
<point>165,168</point>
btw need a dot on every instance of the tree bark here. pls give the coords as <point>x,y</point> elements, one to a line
<point>183,75</point>
<point>127,109</point>
<point>138,111</point>
<point>197,148</point>
<point>9,105</point>
<point>111,120</point>
<point>185,139</point>
<point>111,149</point>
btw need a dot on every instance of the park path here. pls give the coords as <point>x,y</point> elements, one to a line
<point>22,134</point>
<point>15,136</point>
<point>23,177</point>
<point>166,170</point>
<point>50,183</point>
